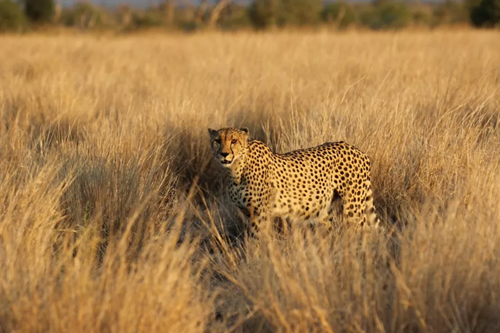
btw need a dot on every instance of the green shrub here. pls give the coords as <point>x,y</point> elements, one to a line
<point>394,15</point>
<point>147,19</point>
<point>487,14</point>
<point>84,15</point>
<point>470,5</point>
<point>268,13</point>
<point>264,13</point>
<point>236,17</point>
<point>40,11</point>
<point>339,12</point>
<point>387,15</point>
<point>11,16</point>
<point>449,12</point>
<point>299,12</point>
<point>367,15</point>
<point>421,17</point>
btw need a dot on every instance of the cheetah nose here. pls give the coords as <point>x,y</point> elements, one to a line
<point>224,154</point>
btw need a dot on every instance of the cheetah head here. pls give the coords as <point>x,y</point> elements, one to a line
<point>229,144</point>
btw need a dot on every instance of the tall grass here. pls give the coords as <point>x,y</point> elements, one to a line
<point>111,214</point>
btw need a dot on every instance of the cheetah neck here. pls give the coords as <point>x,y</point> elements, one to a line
<point>236,171</point>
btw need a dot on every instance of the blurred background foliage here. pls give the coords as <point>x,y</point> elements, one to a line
<point>25,15</point>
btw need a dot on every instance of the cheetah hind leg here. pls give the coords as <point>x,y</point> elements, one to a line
<point>327,222</point>
<point>370,212</point>
<point>354,212</point>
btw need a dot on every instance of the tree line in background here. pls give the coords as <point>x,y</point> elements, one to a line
<point>22,15</point>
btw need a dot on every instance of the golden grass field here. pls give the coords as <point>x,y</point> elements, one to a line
<point>111,214</point>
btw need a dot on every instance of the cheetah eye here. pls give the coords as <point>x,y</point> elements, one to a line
<point>217,141</point>
<point>233,141</point>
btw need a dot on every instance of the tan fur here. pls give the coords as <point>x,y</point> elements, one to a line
<point>299,185</point>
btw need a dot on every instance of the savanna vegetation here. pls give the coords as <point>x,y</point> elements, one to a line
<point>111,214</point>
<point>227,15</point>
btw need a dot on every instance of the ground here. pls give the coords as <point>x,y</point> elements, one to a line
<point>111,215</point>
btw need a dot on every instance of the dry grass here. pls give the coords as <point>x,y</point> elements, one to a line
<point>109,212</point>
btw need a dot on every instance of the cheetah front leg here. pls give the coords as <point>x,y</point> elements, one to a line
<point>258,225</point>
<point>259,220</point>
<point>260,213</point>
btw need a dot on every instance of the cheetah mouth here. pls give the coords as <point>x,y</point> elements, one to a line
<point>226,162</point>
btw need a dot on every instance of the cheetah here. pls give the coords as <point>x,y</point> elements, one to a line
<point>300,185</point>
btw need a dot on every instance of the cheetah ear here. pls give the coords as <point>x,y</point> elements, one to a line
<point>212,132</point>
<point>245,130</point>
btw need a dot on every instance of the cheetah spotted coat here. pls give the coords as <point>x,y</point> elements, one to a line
<point>300,185</point>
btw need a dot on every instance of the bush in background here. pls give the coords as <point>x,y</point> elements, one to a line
<point>449,12</point>
<point>264,13</point>
<point>271,13</point>
<point>11,16</point>
<point>421,16</point>
<point>235,17</point>
<point>85,15</point>
<point>340,13</point>
<point>299,12</point>
<point>147,19</point>
<point>486,14</point>
<point>387,15</point>
<point>40,11</point>
<point>261,14</point>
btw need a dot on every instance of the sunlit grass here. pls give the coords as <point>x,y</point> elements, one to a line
<point>111,214</point>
